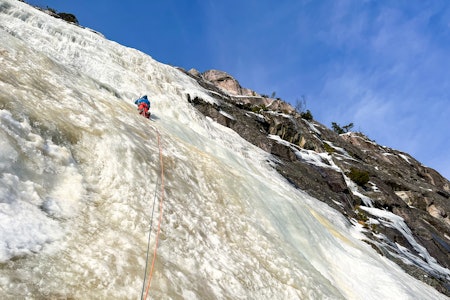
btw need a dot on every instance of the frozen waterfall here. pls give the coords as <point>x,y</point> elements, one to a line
<point>80,170</point>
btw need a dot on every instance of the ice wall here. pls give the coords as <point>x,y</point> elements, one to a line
<point>80,173</point>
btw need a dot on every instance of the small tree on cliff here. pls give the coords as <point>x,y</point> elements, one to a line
<point>339,130</point>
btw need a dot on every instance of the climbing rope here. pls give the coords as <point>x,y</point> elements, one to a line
<point>150,274</point>
<point>148,242</point>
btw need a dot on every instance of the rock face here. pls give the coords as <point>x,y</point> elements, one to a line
<point>227,87</point>
<point>369,184</point>
<point>226,82</point>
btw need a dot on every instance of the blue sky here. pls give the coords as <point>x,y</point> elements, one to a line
<point>382,65</point>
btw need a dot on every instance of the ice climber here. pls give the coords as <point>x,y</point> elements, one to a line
<point>143,106</point>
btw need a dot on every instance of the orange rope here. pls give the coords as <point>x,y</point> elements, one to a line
<point>160,217</point>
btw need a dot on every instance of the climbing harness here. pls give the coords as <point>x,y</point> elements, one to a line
<point>148,276</point>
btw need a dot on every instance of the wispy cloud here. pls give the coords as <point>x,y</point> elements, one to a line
<point>388,75</point>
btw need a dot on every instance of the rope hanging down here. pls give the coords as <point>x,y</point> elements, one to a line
<point>150,274</point>
<point>148,242</point>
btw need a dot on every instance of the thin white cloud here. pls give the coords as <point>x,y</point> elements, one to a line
<point>388,72</point>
